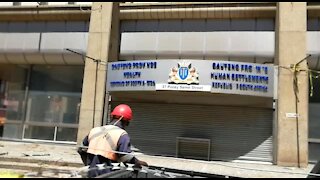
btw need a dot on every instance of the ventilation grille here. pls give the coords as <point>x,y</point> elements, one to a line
<point>194,148</point>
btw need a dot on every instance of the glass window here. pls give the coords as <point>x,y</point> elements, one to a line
<point>315,98</point>
<point>12,94</point>
<point>39,132</point>
<point>56,78</point>
<point>67,134</point>
<point>53,107</point>
<point>314,113</point>
<point>49,110</point>
<point>12,131</point>
<point>314,121</point>
<point>53,102</point>
<point>314,152</point>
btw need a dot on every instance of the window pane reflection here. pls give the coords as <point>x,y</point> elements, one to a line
<point>15,102</point>
<point>67,134</point>
<point>12,131</point>
<point>39,132</point>
<point>53,107</point>
<point>12,93</point>
<point>53,101</point>
<point>56,78</point>
<point>314,120</point>
<point>314,152</point>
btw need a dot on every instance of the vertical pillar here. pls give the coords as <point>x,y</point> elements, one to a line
<point>94,80</point>
<point>292,132</point>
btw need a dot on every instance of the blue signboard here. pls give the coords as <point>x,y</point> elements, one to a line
<point>226,77</point>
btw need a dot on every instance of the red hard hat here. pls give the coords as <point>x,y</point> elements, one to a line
<point>122,110</point>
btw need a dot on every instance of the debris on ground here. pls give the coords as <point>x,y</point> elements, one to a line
<point>5,153</point>
<point>36,154</point>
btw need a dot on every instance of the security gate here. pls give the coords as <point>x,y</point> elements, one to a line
<point>234,132</point>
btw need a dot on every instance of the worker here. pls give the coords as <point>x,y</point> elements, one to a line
<point>110,143</point>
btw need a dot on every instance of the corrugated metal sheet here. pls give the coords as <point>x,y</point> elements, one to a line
<point>235,132</point>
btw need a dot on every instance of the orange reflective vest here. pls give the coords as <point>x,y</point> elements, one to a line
<point>103,141</point>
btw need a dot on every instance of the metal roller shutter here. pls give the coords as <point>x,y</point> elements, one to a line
<point>234,132</point>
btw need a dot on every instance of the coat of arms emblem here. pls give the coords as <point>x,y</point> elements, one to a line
<point>183,74</point>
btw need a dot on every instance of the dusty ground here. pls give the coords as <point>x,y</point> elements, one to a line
<point>32,157</point>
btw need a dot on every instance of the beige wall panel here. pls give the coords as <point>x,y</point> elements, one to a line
<point>35,58</point>
<point>16,58</point>
<point>3,59</point>
<point>53,59</point>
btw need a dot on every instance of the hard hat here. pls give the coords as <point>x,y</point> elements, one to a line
<point>124,111</point>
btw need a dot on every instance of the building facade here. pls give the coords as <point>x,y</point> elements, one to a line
<point>246,99</point>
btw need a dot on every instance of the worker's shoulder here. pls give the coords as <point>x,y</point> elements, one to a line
<point>113,127</point>
<point>110,126</point>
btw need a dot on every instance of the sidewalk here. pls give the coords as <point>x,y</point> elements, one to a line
<point>67,154</point>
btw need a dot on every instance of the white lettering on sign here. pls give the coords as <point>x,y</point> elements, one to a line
<point>182,87</point>
<point>292,115</point>
<point>227,77</point>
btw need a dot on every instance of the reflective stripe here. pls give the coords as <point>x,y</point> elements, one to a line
<point>108,137</point>
<point>112,144</point>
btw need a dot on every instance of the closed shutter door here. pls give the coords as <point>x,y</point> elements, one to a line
<point>234,132</point>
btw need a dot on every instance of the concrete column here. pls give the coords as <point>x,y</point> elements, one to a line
<point>99,45</point>
<point>291,133</point>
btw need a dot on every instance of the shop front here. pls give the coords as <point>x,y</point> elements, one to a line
<point>198,109</point>
<point>40,102</point>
